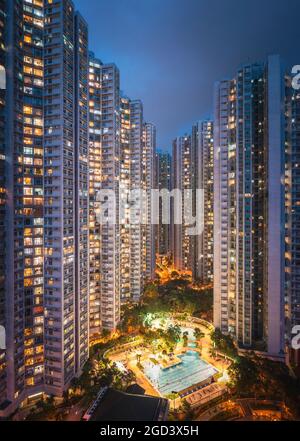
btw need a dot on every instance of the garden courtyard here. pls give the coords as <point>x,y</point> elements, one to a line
<point>174,359</point>
<point>168,346</point>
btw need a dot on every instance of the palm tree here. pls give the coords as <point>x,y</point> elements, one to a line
<point>185,338</point>
<point>198,334</point>
<point>212,352</point>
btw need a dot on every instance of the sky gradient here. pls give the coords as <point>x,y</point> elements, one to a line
<point>170,52</point>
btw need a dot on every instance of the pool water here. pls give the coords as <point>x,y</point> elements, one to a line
<point>192,341</point>
<point>192,370</point>
<point>192,345</point>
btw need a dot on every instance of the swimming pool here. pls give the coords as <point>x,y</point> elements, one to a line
<point>192,370</point>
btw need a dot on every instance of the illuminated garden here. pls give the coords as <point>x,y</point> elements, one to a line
<point>172,356</point>
<point>165,342</point>
<point>167,346</point>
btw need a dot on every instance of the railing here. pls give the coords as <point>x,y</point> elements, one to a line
<point>197,320</point>
<point>89,413</point>
<point>121,348</point>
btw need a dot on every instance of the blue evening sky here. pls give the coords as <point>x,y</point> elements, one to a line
<point>170,52</point>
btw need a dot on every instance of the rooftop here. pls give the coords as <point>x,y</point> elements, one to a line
<point>121,406</point>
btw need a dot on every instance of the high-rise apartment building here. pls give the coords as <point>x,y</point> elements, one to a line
<point>183,243</point>
<point>24,227</point>
<point>46,152</point>
<point>110,164</point>
<point>110,182</point>
<point>125,178</point>
<point>192,175</point>
<point>82,277</point>
<point>204,174</point>
<point>137,246</point>
<point>118,163</point>
<point>148,170</point>
<point>66,195</point>
<point>120,252</point>
<point>292,255</point>
<point>3,379</point>
<point>95,177</point>
<point>249,213</point>
<point>163,182</point>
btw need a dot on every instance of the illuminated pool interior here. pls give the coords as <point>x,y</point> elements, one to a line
<point>191,371</point>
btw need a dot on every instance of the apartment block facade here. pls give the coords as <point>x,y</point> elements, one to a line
<point>82,276</point>
<point>204,175</point>
<point>183,179</point>
<point>249,209</point>
<point>24,212</point>
<point>163,182</point>
<point>192,174</point>
<point>125,179</point>
<point>3,378</point>
<point>45,218</point>
<point>66,195</point>
<point>292,240</point>
<point>137,243</point>
<point>110,181</point>
<point>148,170</point>
<point>95,176</point>
<point>121,253</point>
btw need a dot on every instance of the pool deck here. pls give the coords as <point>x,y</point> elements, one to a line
<point>190,374</point>
<point>130,361</point>
<point>146,383</point>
